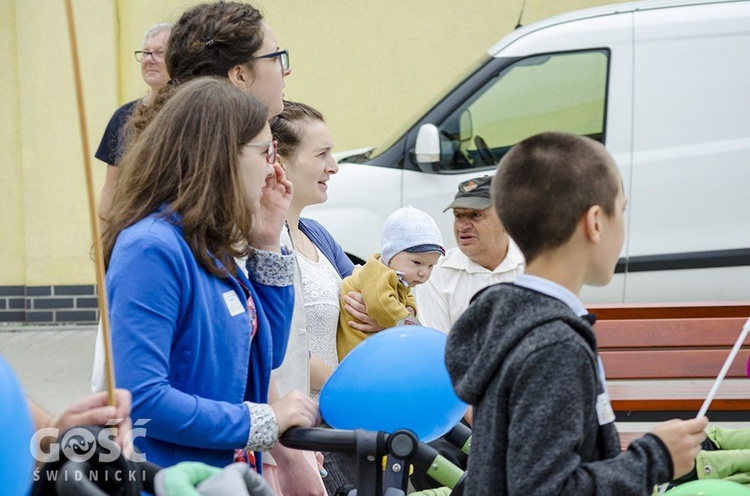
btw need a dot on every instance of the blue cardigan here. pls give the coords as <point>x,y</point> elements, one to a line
<point>327,245</point>
<point>182,343</point>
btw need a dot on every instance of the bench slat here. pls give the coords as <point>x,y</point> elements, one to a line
<point>670,310</point>
<point>678,389</point>
<point>679,333</point>
<point>678,395</point>
<point>672,364</point>
<point>667,405</point>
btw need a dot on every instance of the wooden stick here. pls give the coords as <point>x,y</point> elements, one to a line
<point>98,252</point>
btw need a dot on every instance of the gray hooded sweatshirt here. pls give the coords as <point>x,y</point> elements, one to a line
<point>528,364</point>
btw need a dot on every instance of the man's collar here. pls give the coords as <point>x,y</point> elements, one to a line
<point>455,259</point>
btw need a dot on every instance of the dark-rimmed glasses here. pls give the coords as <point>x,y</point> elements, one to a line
<point>283,56</point>
<point>156,56</point>
<point>270,146</point>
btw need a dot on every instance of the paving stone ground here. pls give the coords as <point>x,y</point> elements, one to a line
<point>53,363</point>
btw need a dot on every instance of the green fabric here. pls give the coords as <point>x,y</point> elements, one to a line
<point>729,439</point>
<point>440,491</point>
<point>181,479</point>
<point>723,464</point>
<point>731,461</point>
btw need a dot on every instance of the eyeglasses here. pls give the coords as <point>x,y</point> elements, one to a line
<point>283,56</point>
<point>156,56</point>
<point>270,147</point>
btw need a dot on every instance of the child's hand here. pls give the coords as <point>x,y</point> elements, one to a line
<point>410,320</point>
<point>683,439</point>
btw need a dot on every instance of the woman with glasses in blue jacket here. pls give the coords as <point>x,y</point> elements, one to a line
<point>193,338</point>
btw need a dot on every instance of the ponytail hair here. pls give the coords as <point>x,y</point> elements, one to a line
<point>287,126</point>
<point>207,40</point>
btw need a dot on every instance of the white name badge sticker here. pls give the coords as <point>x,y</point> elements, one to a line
<point>234,305</point>
<point>604,409</point>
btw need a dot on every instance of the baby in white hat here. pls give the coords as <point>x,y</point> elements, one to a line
<point>411,245</point>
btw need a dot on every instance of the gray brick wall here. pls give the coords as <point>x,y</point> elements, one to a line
<point>49,304</point>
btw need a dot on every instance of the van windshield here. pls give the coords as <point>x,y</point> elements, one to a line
<point>408,123</point>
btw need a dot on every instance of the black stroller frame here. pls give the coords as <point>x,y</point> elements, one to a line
<point>402,449</point>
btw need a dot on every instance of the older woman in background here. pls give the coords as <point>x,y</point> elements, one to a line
<point>154,73</point>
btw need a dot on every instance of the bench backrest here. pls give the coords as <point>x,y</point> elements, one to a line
<point>677,341</point>
<point>665,358</point>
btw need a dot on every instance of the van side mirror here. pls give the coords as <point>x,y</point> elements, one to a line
<point>427,148</point>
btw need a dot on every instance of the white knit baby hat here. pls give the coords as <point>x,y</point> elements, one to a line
<point>410,229</point>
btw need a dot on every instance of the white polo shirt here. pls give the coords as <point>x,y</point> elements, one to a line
<point>455,279</point>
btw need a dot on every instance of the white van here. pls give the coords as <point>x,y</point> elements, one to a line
<point>665,85</point>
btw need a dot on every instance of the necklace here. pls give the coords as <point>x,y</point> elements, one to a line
<point>304,246</point>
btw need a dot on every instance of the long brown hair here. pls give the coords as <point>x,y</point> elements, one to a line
<point>207,40</point>
<point>187,161</point>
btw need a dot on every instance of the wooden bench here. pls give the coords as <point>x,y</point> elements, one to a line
<point>662,359</point>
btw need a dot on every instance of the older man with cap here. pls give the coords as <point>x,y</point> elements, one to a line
<point>484,255</point>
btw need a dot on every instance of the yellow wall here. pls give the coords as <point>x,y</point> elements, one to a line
<point>12,257</point>
<point>46,237</point>
<point>368,66</point>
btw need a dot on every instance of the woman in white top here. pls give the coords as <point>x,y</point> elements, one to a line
<point>304,147</point>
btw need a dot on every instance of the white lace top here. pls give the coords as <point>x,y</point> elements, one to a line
<point>321,284</point>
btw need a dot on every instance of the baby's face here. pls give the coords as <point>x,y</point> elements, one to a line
<point>415,268</point>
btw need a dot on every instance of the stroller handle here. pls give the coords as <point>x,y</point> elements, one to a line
<point>460,437</point>
<point>424,457</point>
<point>320,439</point>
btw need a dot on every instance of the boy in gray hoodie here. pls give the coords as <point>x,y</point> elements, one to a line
<point>525,357</point>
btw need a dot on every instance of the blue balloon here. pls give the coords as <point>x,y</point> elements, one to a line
<point>709,487</point>
<point>16,461</point>
<point>393,380</point>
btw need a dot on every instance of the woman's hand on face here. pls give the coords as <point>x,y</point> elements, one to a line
<point>274,205</point>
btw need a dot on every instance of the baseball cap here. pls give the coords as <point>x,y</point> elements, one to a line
<point>473,194</point>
